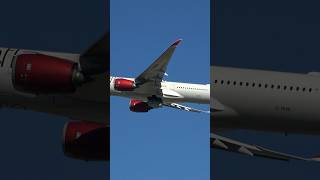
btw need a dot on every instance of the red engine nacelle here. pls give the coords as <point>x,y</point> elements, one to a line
<point>38,73</point>
<point>124,85</point>
<point>139,106</point>
<point>87,141</point>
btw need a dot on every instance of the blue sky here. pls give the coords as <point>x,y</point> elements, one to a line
<point>272,35</point>
<point>163,143</point>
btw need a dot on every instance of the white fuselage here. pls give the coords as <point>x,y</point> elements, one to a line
<point>265,100</point>
<point>170,92</point>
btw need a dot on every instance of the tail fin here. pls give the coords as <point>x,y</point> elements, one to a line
<point>95,59</point>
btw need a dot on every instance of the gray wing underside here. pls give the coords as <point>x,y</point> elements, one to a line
<point>157,69</point>
<point>149,81</point>
<point>231,145</point>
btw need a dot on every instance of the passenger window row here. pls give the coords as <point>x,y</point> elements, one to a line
<point>182,87</point>
<point>261,85</point>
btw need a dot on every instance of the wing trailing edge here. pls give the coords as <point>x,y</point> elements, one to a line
<point>231,145</point>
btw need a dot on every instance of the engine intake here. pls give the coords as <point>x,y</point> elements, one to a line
<point>87,141</point>
<point>139,106</point>
<point>42,74</point>
<point>124,84</point>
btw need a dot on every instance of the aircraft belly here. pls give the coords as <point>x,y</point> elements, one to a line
<point>193,97</point>
<point>264,124</point>
<point>267,111</point>
<point>170,94</point>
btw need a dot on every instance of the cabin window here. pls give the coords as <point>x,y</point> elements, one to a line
<point>291,88</point>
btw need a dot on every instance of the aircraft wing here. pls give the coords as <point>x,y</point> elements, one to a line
<point>231,145</point>
<point>185,108</point>
<point>95,60</point>
<point>157,69</point>
<point>95,63</point>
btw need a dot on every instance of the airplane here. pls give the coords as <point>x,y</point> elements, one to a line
<point>264,101</point>
<point>149,91</point>
<point>64,84</point>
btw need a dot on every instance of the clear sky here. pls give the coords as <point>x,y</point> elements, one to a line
<point>31,142</point>
<point>163,143</point>
<point>272,35</point>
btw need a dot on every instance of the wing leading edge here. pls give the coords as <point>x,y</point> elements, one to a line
<point>157,69</point>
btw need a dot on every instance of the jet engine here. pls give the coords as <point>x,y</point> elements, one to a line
<point>43,74</point>
<point>124,84</point>
<point>87,141</point>
<point>139,106</point>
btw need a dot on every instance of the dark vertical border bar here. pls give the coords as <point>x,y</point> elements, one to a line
<point>107,79</point>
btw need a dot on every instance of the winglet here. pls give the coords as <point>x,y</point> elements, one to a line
<point>176,43</point>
